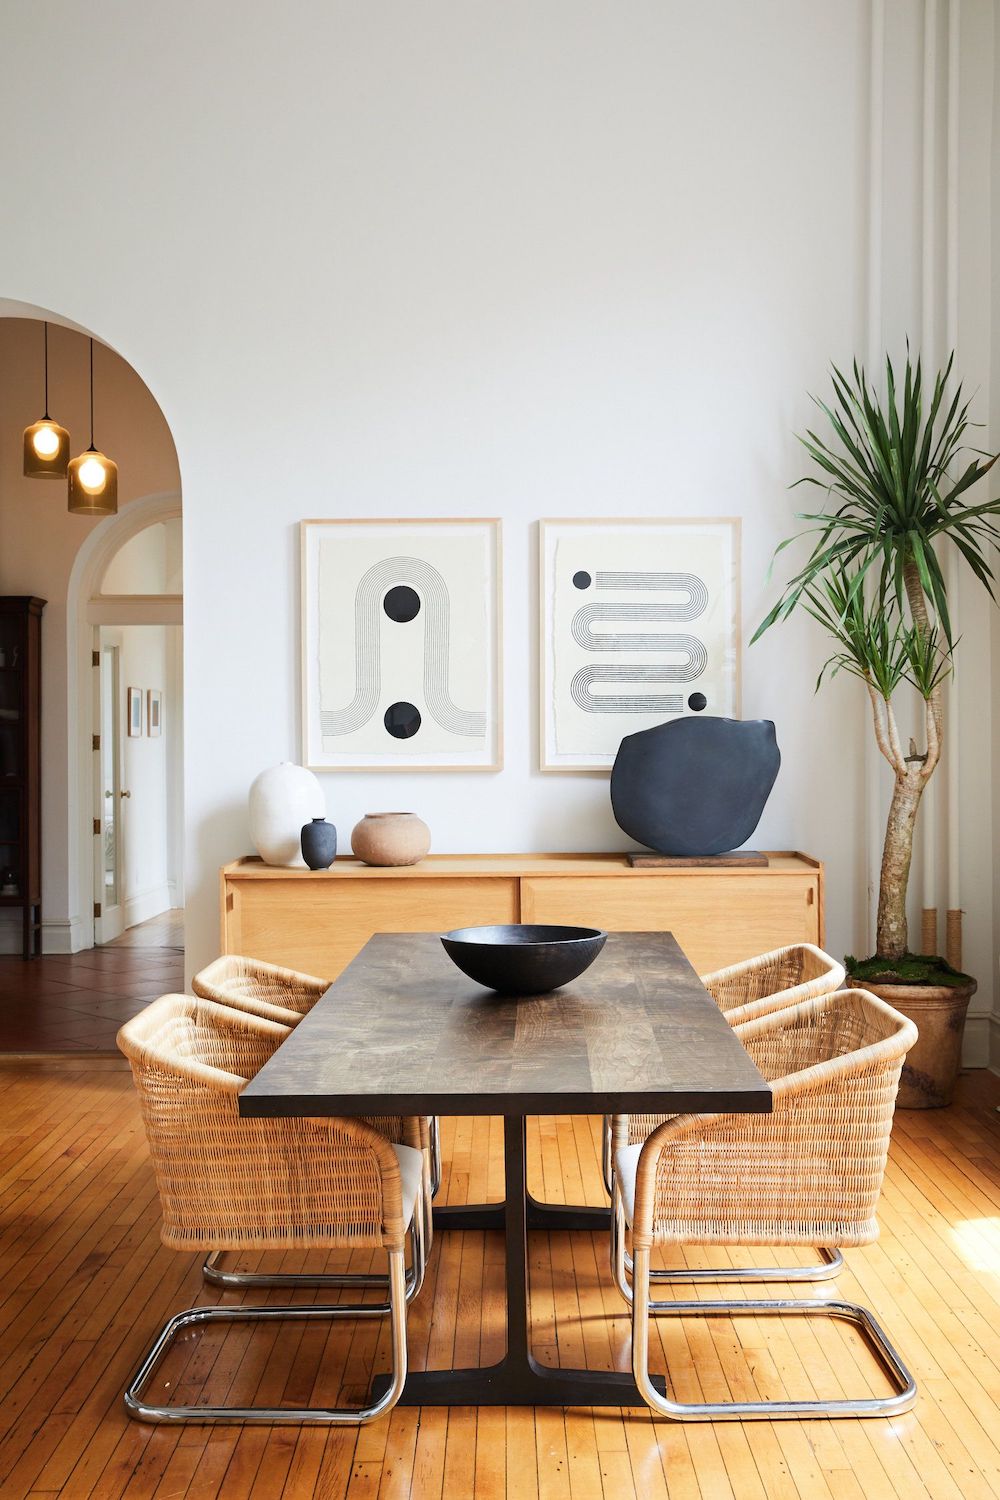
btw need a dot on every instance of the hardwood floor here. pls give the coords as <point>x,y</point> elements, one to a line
<point>76,1002</point>
<point>85,1285</point>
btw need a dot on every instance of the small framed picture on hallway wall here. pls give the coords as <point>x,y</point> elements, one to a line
<point>154,713</point>
<point>134,713</point>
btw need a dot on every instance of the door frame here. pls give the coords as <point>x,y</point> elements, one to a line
<point>87,607</point>
<point>111,922</point>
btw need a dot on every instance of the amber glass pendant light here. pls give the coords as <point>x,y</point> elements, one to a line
<point>46,444</point>
<point>93,478</point>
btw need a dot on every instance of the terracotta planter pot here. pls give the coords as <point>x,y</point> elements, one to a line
<point>938,1012</point>
<point>398,838</point>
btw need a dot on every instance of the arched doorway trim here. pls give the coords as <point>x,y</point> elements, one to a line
<point>85,607</point>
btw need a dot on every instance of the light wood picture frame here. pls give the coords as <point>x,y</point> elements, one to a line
<point>134,725</point>
<point>401,649</point>
<point>639,622</point>
<point>154,713</point>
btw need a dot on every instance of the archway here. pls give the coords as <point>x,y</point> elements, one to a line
<point>46,551</point>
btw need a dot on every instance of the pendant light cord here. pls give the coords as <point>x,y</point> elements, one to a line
<point>46,418</point>
<point>92,448</point>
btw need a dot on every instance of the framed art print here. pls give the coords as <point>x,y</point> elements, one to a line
<point>134,713</point>
<point>401,645</point>
<point>154,712</point>
<point>639,624</point>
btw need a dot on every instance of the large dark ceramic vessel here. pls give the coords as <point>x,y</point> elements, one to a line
<point>319,844</point>
<point>523,960</point>
<point>694,786</point>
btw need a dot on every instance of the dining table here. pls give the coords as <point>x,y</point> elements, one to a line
<point>402,1031</point>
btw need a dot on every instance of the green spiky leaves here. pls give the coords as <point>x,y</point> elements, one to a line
<point>896,475</point>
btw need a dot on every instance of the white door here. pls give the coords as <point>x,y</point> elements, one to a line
<point>109,794</point>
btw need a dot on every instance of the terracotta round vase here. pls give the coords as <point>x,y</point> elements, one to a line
<point>392,838</point>
<point>931,1066</point>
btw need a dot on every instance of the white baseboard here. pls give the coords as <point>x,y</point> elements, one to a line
<point>976,1042</point>
<point>59,934</point>
<point>148,904</point>
<point>993,1034</point>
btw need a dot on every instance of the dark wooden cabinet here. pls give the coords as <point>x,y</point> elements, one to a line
<point>21,764</point>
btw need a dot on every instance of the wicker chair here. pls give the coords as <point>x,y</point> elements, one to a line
<point>282,995</point>
<point>776,979</point>
<point>756,987</point>
<point>810,1172</point>
<point>260,989</point>
<point>231,1184</point>
<point>285,996</point>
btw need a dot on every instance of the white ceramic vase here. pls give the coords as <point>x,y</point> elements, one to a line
<point>282,799</point>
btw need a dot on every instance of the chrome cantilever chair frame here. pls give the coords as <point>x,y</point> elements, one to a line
<point>832,1057</point>
<point>139,1408</point>
<point>190,1060</point>
<point>905,1390</point>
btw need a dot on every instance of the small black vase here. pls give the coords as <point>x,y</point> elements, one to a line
<point>319,844</point>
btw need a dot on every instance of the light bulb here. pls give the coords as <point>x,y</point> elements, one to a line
<point>92,475</point>
<point>45,442</point>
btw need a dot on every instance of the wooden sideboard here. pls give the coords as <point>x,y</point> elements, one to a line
<point>318,920</point>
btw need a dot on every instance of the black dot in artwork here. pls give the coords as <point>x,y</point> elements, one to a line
<point>582,580</point>
<point>401,603</point>
<point>402,720</point>
<point>697,701</point>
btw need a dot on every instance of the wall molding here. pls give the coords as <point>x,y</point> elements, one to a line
<point>992,1028</point>
<point>59,935</point>
<point>146,904</point>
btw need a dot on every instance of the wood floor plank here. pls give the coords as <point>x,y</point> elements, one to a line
<point>85,1283</point>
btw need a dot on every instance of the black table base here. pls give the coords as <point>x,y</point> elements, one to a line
<point>518,1379</point>
<point>539,1216</point>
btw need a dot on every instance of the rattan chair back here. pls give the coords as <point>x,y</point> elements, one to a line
<point>810,1172</point>
<point>227,1182</point>
<point>263,989</point>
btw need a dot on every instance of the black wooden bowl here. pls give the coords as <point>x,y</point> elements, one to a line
<point>521,960</point>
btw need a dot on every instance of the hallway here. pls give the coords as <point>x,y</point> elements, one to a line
<point>75,1002</point>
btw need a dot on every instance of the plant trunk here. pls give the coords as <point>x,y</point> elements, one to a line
<point>891,935</point>
<point>891,938</point>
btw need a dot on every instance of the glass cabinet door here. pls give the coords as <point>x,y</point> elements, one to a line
<point>11,664</point>
<point>11,754</point>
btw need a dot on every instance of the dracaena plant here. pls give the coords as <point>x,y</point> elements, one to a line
<point>896,472</point>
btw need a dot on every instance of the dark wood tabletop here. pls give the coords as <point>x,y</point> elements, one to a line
<point>402,1030</point>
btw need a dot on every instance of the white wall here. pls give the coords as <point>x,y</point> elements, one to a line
<point>39,545</point>
<point>519,260</point>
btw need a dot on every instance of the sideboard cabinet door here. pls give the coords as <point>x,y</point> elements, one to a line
<point>319,925</point>
<point>717,919</point>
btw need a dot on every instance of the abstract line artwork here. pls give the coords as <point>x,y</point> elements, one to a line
<point>650,634</point>
<point>401,644</point>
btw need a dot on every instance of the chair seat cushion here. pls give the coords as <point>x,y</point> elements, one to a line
<point>626,1170</point>
<point>411,1173</point>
